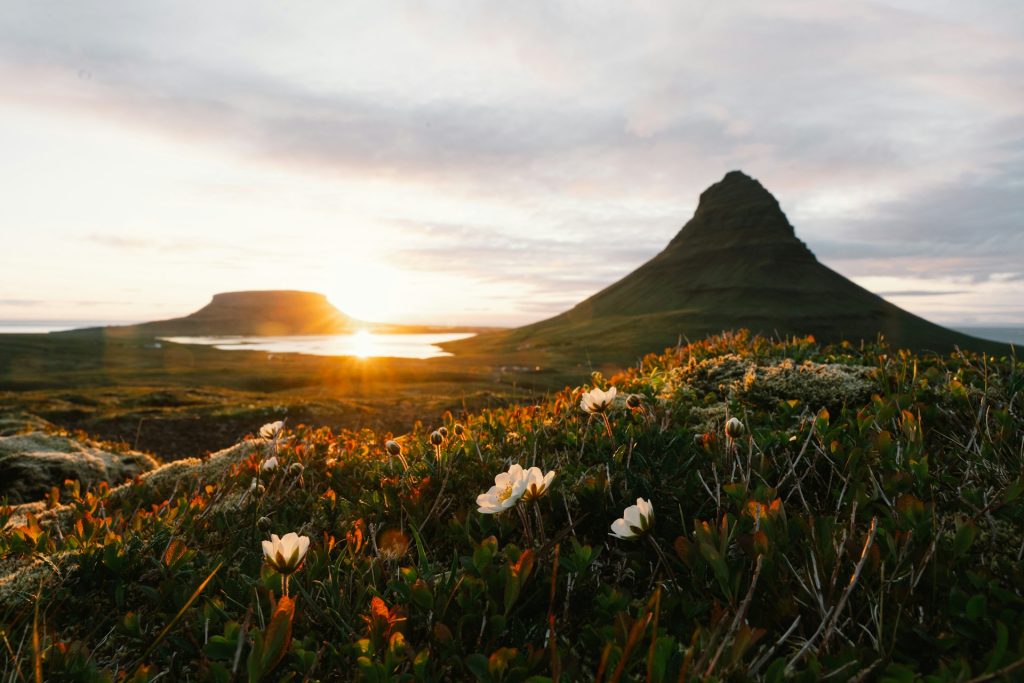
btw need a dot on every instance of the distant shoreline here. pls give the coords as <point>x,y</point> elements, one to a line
<point>1011,334</point>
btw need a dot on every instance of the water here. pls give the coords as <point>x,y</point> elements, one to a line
<point>361,344</point>
<point>44,326</point>
<point>1011,335</point>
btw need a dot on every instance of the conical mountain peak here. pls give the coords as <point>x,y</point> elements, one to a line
<point>737,211</point>
<point>737,185</point>
<point>737,263</point>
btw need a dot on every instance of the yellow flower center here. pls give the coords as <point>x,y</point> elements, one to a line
<point>505,494</point>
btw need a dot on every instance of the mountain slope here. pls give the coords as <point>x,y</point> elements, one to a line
<point>266,313</point>
<point>736,264</point>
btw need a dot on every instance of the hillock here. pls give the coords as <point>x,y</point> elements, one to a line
<point>861,519</point>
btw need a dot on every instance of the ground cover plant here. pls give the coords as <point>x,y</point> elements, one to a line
<point>737,509</point>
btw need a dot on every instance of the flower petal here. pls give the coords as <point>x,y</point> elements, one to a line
<point>632,515</point>
<point>621,529</point>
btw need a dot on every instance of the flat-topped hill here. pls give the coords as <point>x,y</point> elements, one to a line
<point>265,313</point>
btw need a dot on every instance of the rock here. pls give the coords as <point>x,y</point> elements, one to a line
<point>20,423</point>
<point>30,464</point>
<point>815,384</point>
<point>21,577</point>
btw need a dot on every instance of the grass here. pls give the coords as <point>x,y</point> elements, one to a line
<point>868,523</point>
<point>184,400</point>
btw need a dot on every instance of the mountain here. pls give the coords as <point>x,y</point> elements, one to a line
<point>263,313</point>
<point>736,264</point>
<point>267,313</point>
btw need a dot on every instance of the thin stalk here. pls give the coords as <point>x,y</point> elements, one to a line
<point>540,521</point>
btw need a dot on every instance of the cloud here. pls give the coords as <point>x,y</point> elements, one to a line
<point>889,131</point>
<point>919,292</point>
<point>968,226</point>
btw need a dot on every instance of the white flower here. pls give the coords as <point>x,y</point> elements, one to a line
<point>508,488</point>
<point>269,464</point>
<point>537,483</point>
<point>285,555</point>
<point>272,430</point>
<point>597,401</point>
<point>635,520</point>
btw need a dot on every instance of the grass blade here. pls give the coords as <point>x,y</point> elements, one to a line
<point>177,617</point>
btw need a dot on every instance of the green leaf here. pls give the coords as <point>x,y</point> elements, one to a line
<point>964,538</point>
<point>718,565</point>
<point>420,551</point>
<point>484,553</point>
<point>477,664</point>
<point>998,654</point>
<point>278,634</point>
<point>179,615</point>
<point>219,673</point>
<point>975,607</point>
<point>1013,493</point>
<point>220,647</point>
<point>776,673</point>
<point>421,594</point>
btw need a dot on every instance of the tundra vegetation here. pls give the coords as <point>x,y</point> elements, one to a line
<point>862,517</point>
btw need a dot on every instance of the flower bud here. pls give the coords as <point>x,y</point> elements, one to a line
<point>459,429</point>
<point>436,439</point>
<point>734,429</point>
<point>633,401</point>
<point>296,469</point>
<point>443,431</point>
<point>263,524</point>
<point>393,448</point>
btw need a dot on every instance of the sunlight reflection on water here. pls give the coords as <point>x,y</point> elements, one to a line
<point>361,344</point>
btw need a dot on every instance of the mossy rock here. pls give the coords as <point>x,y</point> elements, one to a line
<point>30,464</point>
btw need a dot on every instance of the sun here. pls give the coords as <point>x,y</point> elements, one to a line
<point>369,290</point>
<point>363,344</point>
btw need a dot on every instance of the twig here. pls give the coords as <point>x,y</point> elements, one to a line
<point>998,673</point>
<point>740,614</point>
<point>763,659</point>
<point>828,622</point>
<point>853,580</point>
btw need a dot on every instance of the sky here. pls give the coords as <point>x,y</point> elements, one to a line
<point>494,163</point>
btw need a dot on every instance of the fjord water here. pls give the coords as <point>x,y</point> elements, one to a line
<point>1010,335</point>
<point>361,344</point>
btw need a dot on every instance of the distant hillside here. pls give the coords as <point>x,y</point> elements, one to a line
<point>736,264</point>
<point>267,313</point>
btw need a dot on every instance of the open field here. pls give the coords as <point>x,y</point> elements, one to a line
<point>864,520</point>
<point>185,400</point>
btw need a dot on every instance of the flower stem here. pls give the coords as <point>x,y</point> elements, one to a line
<point>540,521</point>
<point>526,525</point>
<point>662,559</point>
